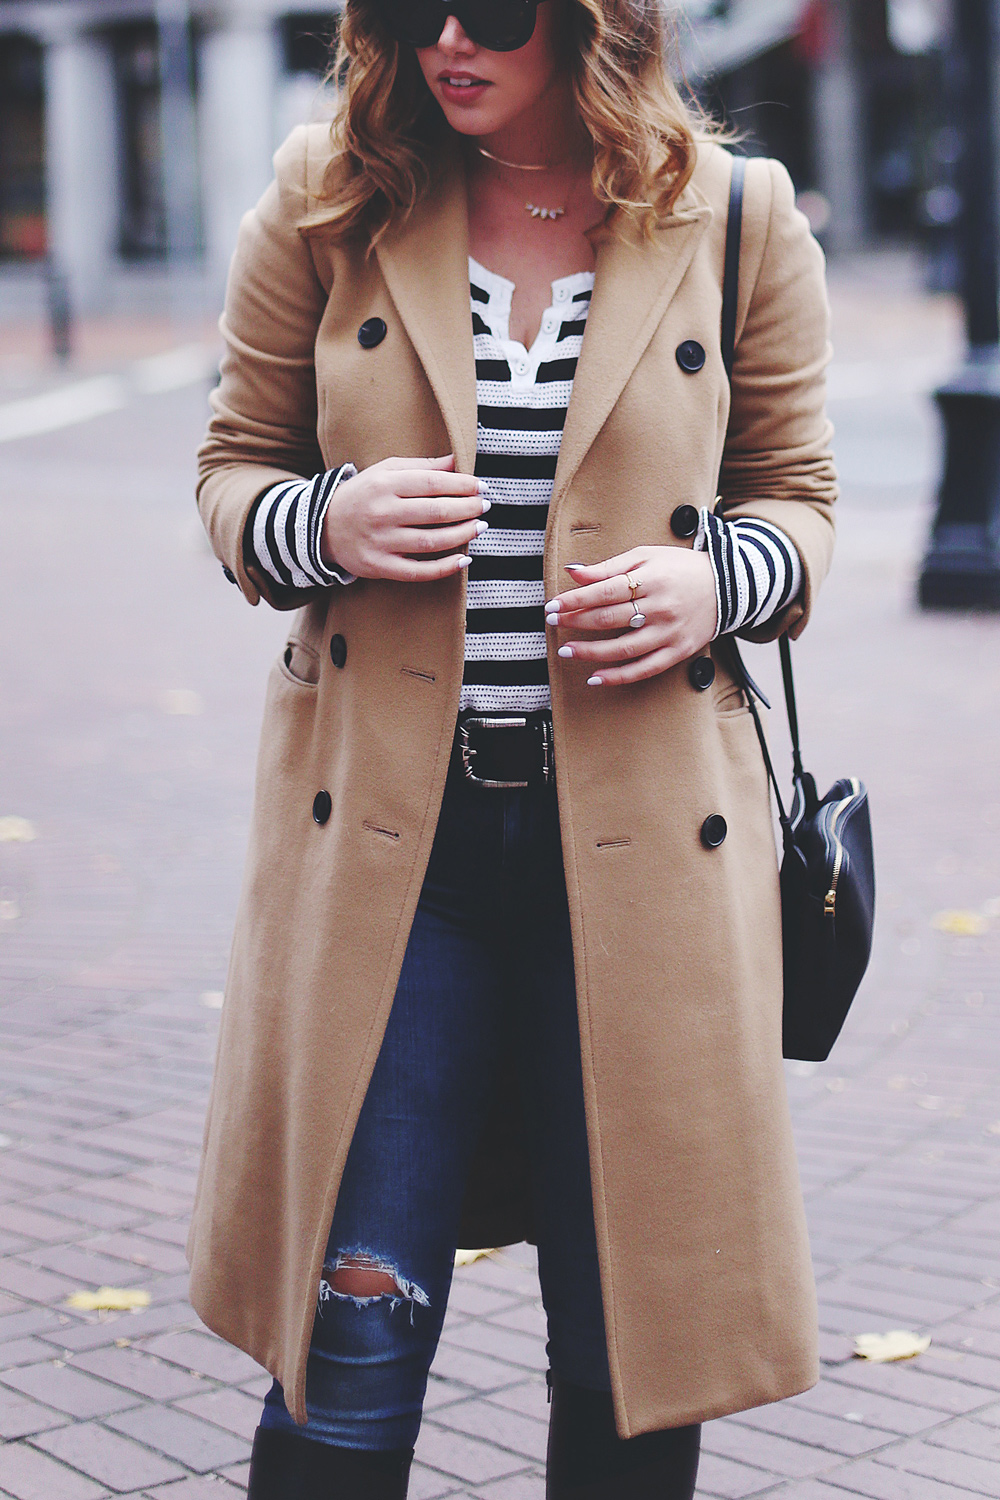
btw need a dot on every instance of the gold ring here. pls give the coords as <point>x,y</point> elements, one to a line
<point>633,587</point>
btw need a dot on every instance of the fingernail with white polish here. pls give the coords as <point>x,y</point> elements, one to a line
<point>594,681</point>
<point>463,562</point>
<point>481,486</point>
<point>552,607</point>
<point>552,619</point>
<point>482,526</point>
<point>565,651</point>
<point>486,505</point>
<point>574,567</point>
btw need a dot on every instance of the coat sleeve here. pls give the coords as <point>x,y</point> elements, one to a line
<point>264,410</point>
<point>778,465</point>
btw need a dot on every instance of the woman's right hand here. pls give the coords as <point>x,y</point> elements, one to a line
<point>408,519</point>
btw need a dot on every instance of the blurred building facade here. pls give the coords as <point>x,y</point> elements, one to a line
<point>852,95</point>
<point>91,93</point>
<point>846,92</point>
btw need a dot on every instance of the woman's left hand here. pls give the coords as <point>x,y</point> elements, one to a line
<point>674,615</point>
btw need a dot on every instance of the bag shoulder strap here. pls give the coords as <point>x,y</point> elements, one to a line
<point>730,296</point>
<point>727,339</point>
<point>785,651</point>
<point>731,265</point>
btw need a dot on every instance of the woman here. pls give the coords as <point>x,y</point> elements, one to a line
<point>507,962</point>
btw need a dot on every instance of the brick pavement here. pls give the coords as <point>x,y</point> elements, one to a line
<point>131,681</point>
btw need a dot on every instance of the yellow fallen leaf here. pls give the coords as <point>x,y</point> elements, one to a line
<point>961,923</point>
<point>110,1298</point>
<point>466,1257</point>
<point>15,830</point>
<point>882,1347</point>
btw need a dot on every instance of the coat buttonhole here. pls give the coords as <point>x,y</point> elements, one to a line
<point>613,843</point>
<point>387,833</point>
<point>423,676</point>
<point>584,528</point>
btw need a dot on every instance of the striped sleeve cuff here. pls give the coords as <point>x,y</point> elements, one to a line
<point>287,528</point>
<point>757,570</point>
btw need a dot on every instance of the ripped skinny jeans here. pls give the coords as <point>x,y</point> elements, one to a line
<point>489,961</point>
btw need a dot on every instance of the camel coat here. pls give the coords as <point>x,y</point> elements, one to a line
<point>708,1294</point>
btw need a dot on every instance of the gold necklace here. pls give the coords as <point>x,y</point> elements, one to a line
<point>534,209</point>
<point>520,166</point>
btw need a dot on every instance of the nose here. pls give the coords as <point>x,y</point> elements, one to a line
<point>453,38</point>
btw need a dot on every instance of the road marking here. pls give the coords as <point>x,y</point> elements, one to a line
<point>95,397</point>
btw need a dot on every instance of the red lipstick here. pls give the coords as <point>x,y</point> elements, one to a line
<point>460,87</point>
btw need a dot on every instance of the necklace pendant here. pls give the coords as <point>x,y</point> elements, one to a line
<point>538,212</point>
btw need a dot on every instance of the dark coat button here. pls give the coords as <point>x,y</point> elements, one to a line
<point>322,807</point>
<point>684,521</point>
<point>338,650</point>
<point>373,331</point>
<point>228,573</point>
<point>690,356</point>
<point>713,830</point>
<point>701,672</point>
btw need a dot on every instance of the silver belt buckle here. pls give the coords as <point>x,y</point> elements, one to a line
<point>486,721</point>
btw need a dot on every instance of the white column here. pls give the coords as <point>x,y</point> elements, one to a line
<point>238,79</point>
<point>178,130</point>
<point>839,133</point>
<point>81,152</point>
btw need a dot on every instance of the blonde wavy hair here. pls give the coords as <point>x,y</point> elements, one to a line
<point>387,122</point>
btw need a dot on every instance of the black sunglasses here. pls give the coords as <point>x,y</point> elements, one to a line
<point>497,25</point>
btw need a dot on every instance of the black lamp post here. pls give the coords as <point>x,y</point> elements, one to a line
<point>59,309</point>
<point>962,567</point>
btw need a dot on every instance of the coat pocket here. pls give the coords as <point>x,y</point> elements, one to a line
<point>300,663</point>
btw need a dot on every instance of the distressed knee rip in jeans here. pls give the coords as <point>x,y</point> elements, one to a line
<point>373,1339</point>
<point>364,1278</point>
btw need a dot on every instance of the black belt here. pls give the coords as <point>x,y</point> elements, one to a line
<point>502,751</point>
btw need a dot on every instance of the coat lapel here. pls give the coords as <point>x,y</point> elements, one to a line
<point>425,262</point>
<point>634,283</point>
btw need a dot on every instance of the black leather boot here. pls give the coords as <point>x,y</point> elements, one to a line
<point>285,1466</point>
<point>587,1460</point>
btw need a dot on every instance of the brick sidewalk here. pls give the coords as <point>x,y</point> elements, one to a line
<point>131,680</point>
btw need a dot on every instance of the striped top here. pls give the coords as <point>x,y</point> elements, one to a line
<point>522,396</point>
<point>288,524</point>
<point>757,570</point>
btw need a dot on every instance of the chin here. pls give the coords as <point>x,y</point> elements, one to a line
<point>480,118</point>
<point>470,121</point>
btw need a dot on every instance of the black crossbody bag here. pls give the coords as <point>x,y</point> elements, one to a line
<point>828,864</point>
